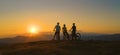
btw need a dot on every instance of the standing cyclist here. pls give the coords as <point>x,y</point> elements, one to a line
<point>57,32</point>
<point>73,31</point>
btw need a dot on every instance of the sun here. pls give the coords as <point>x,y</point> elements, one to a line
<point>33,29</point>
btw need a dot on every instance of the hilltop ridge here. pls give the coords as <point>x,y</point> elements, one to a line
<point>62,48</point>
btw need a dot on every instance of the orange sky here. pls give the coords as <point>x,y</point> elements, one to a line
<point>16,16</point>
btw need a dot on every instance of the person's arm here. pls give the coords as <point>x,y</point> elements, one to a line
<point>66,29</point>
<point>70,29</point>
<point>54,28</point>
<point>76,28</point>
<point>60,28</point>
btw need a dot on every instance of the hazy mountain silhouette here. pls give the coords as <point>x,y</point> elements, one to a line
<point>48,36</point>
<point>26,38</point>
<point>112,37</point>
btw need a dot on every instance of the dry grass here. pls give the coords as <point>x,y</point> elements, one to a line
<point>62,48</point>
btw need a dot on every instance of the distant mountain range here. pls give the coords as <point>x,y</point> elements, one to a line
<point>102,37</point>
<point>48,36</point>
<point>26,38</point>
<point>112,37</point>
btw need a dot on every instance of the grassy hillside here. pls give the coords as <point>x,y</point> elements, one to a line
<point>62,48</point>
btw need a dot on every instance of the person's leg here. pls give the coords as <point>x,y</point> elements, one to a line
<point>54,36</point>
<point>58,35</point>
<point>72,35</point>
<point>63,35</point>
<point>67,35</point>
<point>75,36</point>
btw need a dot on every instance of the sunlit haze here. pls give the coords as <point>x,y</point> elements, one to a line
<point>99,16</point>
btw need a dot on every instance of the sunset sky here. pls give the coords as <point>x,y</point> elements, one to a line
<point>99,16</point>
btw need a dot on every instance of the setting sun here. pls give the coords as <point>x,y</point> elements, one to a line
<point>33,29</point>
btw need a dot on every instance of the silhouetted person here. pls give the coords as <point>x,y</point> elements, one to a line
<point>57,31</point>
<point>65,33</point>
<point>73,31</point>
